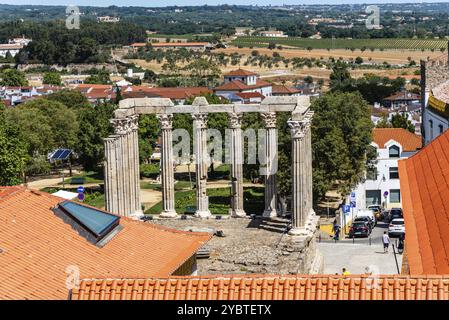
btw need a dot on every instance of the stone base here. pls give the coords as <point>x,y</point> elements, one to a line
<point>168,214</point>
<point>203,214</point>
<point>237,213</point>
<point>270,214</point>
<point>136,215</point>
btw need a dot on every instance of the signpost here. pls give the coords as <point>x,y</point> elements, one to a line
<point>80,190</point>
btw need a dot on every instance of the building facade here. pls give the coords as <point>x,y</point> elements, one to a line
<point>382,186</point>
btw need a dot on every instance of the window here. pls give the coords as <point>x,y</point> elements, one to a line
<point>395,196</point>
<point>441,128</point>
<point>372,197</point>
<point>96,222</point>
<point>394,152</point>
<point>431,129</point>
<point>394,173</point>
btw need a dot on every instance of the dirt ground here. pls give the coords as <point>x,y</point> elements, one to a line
<point>391,56</point>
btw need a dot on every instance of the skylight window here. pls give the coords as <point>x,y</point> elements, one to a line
<point>96,222</point>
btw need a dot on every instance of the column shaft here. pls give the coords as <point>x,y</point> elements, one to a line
<point>201,165</point>
<point>271,164</point>
<point>236,153</point>
<point>167,174</point>
<point>135,142</point>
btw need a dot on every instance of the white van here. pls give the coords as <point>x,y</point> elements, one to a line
<point>367,213</point>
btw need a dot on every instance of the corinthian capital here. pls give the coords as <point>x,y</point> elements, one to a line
<point>235,120</point>
<point>269,119</point>
<point>121,126</point>
<point>297,128</point>
<point>166,120</point>
<point>134,122</point>
<point>200,119</point>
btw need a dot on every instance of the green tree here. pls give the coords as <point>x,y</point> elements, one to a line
<point>13,78</point>
<point>53,78</point>
<point>101,77</point>
<point>341,134</point>
<point>43,125</point>
<point>94,126</point>
<point>12,153</point>
<point>401,121</point>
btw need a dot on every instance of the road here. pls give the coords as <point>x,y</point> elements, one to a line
<point>358,254</point>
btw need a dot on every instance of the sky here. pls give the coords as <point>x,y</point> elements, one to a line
<point>163,3</point>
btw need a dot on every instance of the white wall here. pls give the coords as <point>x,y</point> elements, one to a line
<point>433,130</point>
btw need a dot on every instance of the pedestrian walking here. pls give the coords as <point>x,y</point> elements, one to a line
<point>345,272</point>
<point>336,231</point>
<point>386,241</point>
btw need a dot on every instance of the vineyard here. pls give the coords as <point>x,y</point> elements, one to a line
<point>368,44</point>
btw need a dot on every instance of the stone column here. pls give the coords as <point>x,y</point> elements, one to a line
<point>167,174</point>
<point>120,146</point>
<point>136,165</point>
<point>110,174</point>
<point>201,164</point>
<point>269,120</point>
<point>236,153</point>
<point>299,190</point>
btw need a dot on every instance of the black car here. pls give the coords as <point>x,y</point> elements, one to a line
<point>367,220</point>
<point>359,229</point>
<point>395,213</point>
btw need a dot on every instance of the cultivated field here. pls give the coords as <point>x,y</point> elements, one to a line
<point>368,44</point>
<point>390,56</point>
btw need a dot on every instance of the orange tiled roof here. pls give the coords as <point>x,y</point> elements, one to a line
<point>237,85</point>
<point>267,287</point>
<point>240,72</point>
<point>283,89</point>
<point>425,193</point>
<point>409,141</point>
<point>37,246</point>
<point>249,95</point>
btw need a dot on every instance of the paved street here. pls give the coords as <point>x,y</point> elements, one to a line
<point>357,255</point>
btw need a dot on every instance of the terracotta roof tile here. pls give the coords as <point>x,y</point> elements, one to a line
<point>409,141</point>
<point>237,85</point>
<point>240,72</point>
<point>425,191</point>
<point>37,247</point>
<point>248,95</point>
<point>267,287</point>
<point>283,89</point>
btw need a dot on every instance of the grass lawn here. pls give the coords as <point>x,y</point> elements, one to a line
<point>89,177</point>
<point>219,201</point>
<point>179,185</point>
<point>93,197</point>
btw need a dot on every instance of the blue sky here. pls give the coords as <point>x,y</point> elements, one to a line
<point>161,3</point>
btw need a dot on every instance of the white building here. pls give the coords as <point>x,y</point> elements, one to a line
<point>243,81</point>
<point>436,113</point>
<point>273,33</point>
<point>382,184</point>
<point>13,49</point>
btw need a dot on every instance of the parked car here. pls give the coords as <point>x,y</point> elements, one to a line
<point>365,219</point>
<point>368,213</point>
<point>359,229</point>
<point>396,227</point>
<point>395,213</point>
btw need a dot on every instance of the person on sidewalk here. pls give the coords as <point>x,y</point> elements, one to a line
<point>386,241</point>
<point>336,228</point>
<point>345,272</point>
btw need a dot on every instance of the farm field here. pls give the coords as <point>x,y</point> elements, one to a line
<point>390,56</point>
<point>368,44</point>
<point>289,74</point>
